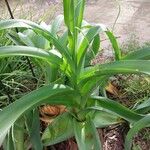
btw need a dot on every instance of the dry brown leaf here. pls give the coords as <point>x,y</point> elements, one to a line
<point>112,89</point>
<point>49,112</point>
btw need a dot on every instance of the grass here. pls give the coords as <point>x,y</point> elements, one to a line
<point>18,80</point>
<point>133,88</point>
<point>136,87</point>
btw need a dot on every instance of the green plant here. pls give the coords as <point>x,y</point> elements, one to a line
<point>72,83</point>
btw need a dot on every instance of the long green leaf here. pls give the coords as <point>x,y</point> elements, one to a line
<point>10,143</point>
<point>143,107</point>
<point>92,52</point>
<point>56,25</point>
<point>19,23</point>
<point>66,6</point>
<point>51,56</point>
<point>118,67</point>
<point>89,84</point>
<point>45,94</point>
<point>79,12</point>
<point>33,126</point>
<point>143,53</point>
<point>59,130</point>
<point>115,45</point>
<point>145,122</point>
<point>116,108</point>
<point>104,119</point>
<point>93,31</point>
<point>13,36</point>
<point>86,135</point>
<point>69,14</point>
<point>30,38</point>
<point>18,134</point>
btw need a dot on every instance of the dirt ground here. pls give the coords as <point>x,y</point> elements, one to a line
<point>134,15</point>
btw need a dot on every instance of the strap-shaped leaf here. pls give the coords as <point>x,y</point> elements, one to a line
<point>46,94</point>
<point>93,31</point>
<point>104,119</point>
<point>86,135</point>
<point>118,67</point>
<point>26,38</point>
<point>116,108</point>
<point>64,38</point>
<point>33,126</point>
<point>9,141</point>
<point>101,118</point>
<point>70,21</point>
<point>13,36</point>
<point>143,53</point>
<point>50,57</point>
<point>30,38</point>
<point>143,107</point>
<point>89,84</point>
<point>79,12</point>
<point>69,14</point>
<point>59,130</point>
<point>18,134</point>
<point>56,25</point>
<point>20,23</point>
<point>145,122</point>
<point>93,50</point>
<point>115,45</point>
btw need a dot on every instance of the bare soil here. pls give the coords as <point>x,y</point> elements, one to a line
<point>134,16</point>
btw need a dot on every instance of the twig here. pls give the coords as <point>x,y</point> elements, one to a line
<point>10,12</point>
